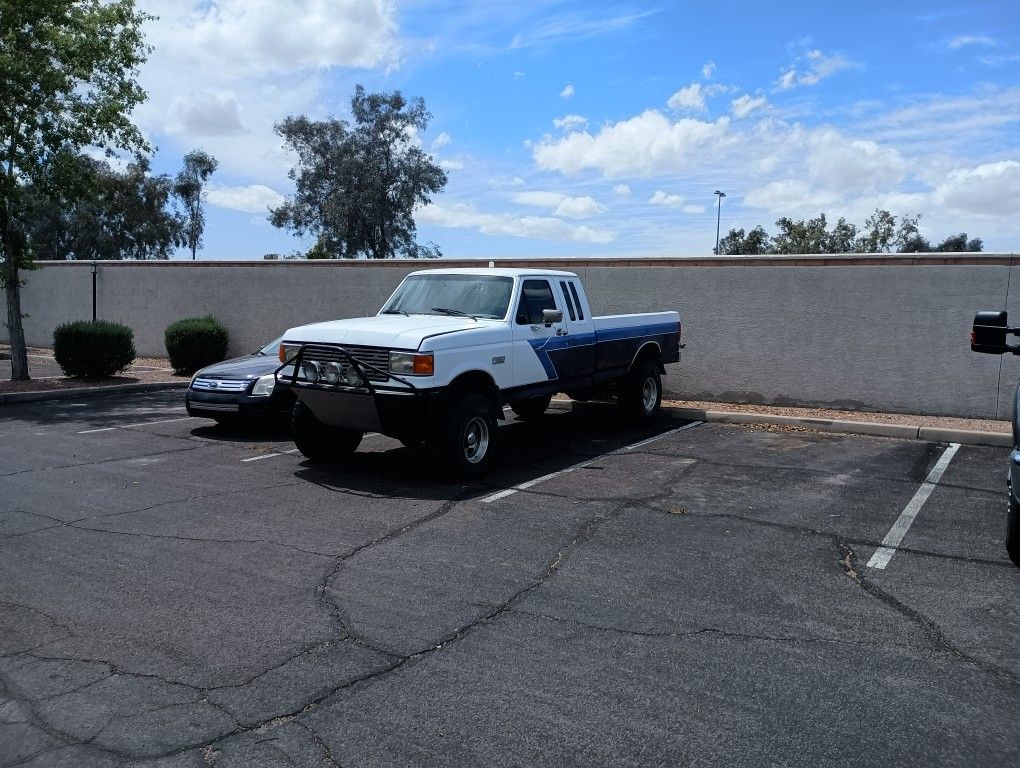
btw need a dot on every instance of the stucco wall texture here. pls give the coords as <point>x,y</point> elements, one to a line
<point>859,332</point>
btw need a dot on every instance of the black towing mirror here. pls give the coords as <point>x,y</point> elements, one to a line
<point>989,334</point>
<point>550,316</point>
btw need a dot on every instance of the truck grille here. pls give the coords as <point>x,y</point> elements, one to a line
<point>220,385</point>
<point>375,356</point>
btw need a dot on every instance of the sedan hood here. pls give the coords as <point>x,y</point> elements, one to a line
<point>392,331</point>
<point>249,367</point>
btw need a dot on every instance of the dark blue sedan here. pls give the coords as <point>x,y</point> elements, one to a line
<point>244,387</point>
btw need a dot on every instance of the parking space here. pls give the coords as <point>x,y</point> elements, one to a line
<point>174,593</point>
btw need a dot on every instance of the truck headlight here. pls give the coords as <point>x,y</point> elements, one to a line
<point>264,386</point>
<point>412,363</point>
<point>288,351</point>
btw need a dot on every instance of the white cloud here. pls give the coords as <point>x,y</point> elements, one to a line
<point>851,165</point>
<point>450,164</point>
<point>991,189</point>
<point>665,199</point>
<point>693,209</point>
<point>579,207</point>
<point>978,40</point>
<point>621,190</point>
<point>811,68</point>
<point>643,145</point>
<point>465,216</point>
<point>790,197</point>
<point>567,91</point>
<point>561,204</point>
<point>206,113</point>
<point>708,70</point>
<point>570,122</point>
<point>746,104</point>
<point>690,97</point>
<point>253,198</point>
<point>255,37</point>
<point>519,75</point>
<point>442,140</point>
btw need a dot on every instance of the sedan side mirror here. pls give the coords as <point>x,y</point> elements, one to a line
<point>989,333</point>
<point>550,316</point>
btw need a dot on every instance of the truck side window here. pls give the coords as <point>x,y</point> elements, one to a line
<point>566,298</point>
<point>580,311</point>
<point>536,295</point>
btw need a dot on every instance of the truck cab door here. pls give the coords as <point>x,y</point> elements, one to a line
<point>541,350</point>
<point>580,329</point>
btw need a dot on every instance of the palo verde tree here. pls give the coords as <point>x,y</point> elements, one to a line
<point>189,186</point>
<point>68,72</point>
<point>358,183</point>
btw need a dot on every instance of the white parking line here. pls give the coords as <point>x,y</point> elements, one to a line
<point>271,454</point>
<point>261,456</point>
<point>892,539</point>
<point>530,483</point>
<point>139,424</point>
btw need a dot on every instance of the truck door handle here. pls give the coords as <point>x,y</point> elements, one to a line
<point>561,331</point>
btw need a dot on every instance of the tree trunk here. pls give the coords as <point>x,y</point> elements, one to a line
<point>12,289</point>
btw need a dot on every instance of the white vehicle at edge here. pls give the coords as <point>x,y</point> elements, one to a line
<point>450,347</point>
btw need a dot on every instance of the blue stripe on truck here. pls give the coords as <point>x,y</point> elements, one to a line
<point>542,347</point>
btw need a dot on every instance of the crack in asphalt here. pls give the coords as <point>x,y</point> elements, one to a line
<point>848,562</point>
<point>164,452</point>
<point>708,631</point>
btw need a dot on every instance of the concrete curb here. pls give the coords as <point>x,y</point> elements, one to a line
<point>875,429</point>
<point>10,398</point>
<point>908,431</point>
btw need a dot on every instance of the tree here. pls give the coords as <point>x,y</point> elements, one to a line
<point>67,80</point>
<point>800,236</point>
<point>959,244</point>
<point>842,238</point>
<point>357,184</point>
<point>189,186</point>
<point>112,215</point>
<point>879,231</point>
<point>754,243</point>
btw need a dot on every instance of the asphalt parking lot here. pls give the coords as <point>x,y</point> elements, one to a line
<point>174,593</point>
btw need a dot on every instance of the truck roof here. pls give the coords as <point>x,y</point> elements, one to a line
<point>495,272</point>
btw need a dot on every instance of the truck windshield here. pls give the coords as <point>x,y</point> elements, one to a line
<point>474,295</point>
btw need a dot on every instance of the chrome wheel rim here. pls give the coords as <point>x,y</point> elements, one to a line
<point>476,440</point>
<point>649,394</point>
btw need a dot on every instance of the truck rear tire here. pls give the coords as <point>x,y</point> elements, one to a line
<point>321,442</point>
<point>531,407</point>
<point>466,437</point>
<point>1013,530</point>
<point>640,392</point>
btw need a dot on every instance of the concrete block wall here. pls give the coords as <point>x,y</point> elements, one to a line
<point>865,332</point>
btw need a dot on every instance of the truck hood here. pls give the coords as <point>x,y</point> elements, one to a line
<point>393,331</point>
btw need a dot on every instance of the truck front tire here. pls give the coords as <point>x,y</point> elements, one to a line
<point>640,393</point>
<point>321,442</point>
<point>466,439</point>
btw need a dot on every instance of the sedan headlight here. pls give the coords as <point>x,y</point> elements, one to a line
<point>412,363</point>
<point>264,386</point>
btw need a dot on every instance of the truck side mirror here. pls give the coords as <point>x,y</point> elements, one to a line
<point>550,316</point>
<point>989,333</point>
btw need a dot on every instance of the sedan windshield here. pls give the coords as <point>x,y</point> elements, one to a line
<point>271,349</point>
<point>454,295</point>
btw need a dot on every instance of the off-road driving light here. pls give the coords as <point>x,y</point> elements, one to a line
<point>310,370</point>
<point>353,378</point>
<point>332,373</point>
<point>412,363</point>
<point>264,386</point>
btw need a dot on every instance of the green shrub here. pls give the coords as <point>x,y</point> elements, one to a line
<point>196,342</point>
<point>93,349</point>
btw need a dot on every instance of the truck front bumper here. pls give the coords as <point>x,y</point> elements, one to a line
<point>398,415</point>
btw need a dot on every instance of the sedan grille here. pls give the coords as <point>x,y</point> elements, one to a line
<point>220,385</point>
<point>378,357</point>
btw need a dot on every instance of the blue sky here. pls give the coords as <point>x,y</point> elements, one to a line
<point>602,129</point>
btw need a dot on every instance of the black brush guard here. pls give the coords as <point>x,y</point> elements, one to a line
<point>359,365</point>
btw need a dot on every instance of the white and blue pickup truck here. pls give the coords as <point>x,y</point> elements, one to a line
<point>450,347</point>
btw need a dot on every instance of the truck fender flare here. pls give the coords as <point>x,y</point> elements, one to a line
<point>479,381</point>
<point>645,350</point>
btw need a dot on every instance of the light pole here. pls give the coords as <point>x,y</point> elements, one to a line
<point>718,218</point>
